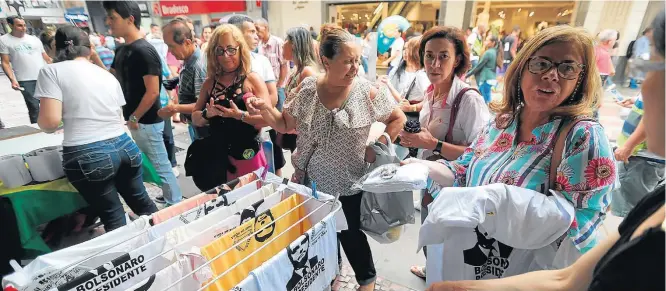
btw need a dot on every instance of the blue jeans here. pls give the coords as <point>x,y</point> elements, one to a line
<point>638,178</point>
<point>30,101</point>
<point>169,143</point>
<point>149,139</point>
<point>486,91</point>
<point>100,170</point>
<point>281,97</point>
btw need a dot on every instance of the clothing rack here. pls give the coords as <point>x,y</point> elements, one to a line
<point>335,203</point>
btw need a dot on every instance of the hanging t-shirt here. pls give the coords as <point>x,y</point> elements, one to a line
<point>492,231</point>
<point>202,210</point>
<point>51,270</point>
<point>309,263</point>
<point>177,271</point>
<point>126,271</point>
<point>273,233</point>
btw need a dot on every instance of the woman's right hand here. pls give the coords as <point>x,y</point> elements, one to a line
<point>255,105</point>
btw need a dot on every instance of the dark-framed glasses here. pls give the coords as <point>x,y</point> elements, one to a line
<point>566,70</point>
<point>232,51</point>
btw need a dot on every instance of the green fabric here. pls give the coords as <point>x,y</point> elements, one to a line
<point>485,70</point>
<point>40,203</point>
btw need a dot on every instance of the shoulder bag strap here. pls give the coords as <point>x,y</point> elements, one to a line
<point>409,90</point>
<point>558,149</point>
<point>454,111</point>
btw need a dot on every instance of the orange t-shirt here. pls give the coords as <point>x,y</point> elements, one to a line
<point>250,244</point>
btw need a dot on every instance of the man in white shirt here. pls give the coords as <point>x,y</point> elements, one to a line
<point>23,56</point>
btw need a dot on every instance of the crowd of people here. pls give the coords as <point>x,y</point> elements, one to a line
<point>239,78</point>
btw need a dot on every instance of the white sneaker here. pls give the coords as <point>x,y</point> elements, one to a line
<point>175,171</point>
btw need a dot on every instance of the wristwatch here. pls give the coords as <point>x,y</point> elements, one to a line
<point>438,148</point>
<point>133,119</point>
<point>204,113</point>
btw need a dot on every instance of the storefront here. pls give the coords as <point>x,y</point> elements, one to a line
<point>202,13</point>
<point>33,12</point>
<point>367,16</point>
<point>531,17</point>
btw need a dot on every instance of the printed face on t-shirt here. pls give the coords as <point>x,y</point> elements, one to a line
<point>299,254</point>
<point>264,222</point>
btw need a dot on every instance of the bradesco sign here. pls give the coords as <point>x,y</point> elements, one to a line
<point>173,8</point>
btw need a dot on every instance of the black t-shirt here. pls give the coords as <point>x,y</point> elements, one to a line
<point>132,62</point>
<point>636,264</point>
<point>509,42</point>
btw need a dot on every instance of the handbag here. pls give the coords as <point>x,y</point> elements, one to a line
<point>383,215</point>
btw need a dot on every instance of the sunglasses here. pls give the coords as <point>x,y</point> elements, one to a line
<point>568,70</point>
<point>219,51</point>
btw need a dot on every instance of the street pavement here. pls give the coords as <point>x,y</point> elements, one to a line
<point>393,260</point>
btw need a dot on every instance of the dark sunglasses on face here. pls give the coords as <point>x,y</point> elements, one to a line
<point>219,51</point>
<point>568,70</point>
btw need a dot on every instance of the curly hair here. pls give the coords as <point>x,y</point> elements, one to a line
<point>214,68</point>
<point>455,36</point>
<point>588,92</point>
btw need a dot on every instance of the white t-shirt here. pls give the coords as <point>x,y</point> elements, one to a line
<point>308,263</point>
<point>25,54</point>
<point>492,231</point>
<point>402,82</point>
<point>54,269</point>
<point>262,66</point>
<point>396,50</point>
<point>91,103</point>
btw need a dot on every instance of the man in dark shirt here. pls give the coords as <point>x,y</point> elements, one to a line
<point>180,40</point>
<point>510,47</point>
<point>138,69</point>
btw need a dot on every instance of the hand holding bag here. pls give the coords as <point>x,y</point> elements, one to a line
<point>383,215</point>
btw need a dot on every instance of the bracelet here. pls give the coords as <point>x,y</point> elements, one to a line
<point>242,118</point>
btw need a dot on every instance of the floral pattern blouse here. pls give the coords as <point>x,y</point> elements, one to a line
<point>331,143</point>
<point>586,175</point>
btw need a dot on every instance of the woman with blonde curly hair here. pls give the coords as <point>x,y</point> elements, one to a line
<point>234,140</point>
<point>551,89</point>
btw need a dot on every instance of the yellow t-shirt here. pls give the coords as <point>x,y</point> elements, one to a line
<point>250,244</point>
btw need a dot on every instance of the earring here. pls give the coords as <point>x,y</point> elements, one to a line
<point>572,98</point>
<point>521,100</point>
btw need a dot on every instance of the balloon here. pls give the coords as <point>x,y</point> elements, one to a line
<point>389,30</point>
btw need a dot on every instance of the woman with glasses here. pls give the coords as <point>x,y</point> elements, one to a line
<point>551,89</point>
<point>631,258</point>
<point>234,143</point>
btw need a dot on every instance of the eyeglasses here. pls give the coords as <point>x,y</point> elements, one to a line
<point>229,51</point>
<point>566,70</point>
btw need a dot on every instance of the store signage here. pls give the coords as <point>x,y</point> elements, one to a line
<point>143,6</point>
<point>54,20</point>
<point>173,8</point>
<point>156,9</point>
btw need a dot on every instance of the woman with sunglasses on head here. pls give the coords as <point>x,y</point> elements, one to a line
<point>234,141</point>
<point>551,89</point>
<point>632,259</point>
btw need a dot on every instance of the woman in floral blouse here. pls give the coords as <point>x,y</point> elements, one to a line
<point>552,82</point>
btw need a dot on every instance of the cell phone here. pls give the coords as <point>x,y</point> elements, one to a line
<point>223,102</point>
<point>616,95</point>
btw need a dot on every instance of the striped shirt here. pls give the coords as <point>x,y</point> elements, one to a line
<point>192,77</point>
<point>273,51</point>
<point>629,127</point>
<point>106,55</point>
<point>586,174</point>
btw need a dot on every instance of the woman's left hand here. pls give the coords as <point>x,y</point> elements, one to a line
<point>421,140</point>
<point>232,112</point>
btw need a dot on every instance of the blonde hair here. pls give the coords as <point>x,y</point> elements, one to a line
<point>586,94</point>
<point>214,68</point>
<point>413,51</point>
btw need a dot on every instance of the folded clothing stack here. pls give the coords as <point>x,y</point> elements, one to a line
<point>40,165</point>
<point>13,172</point>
